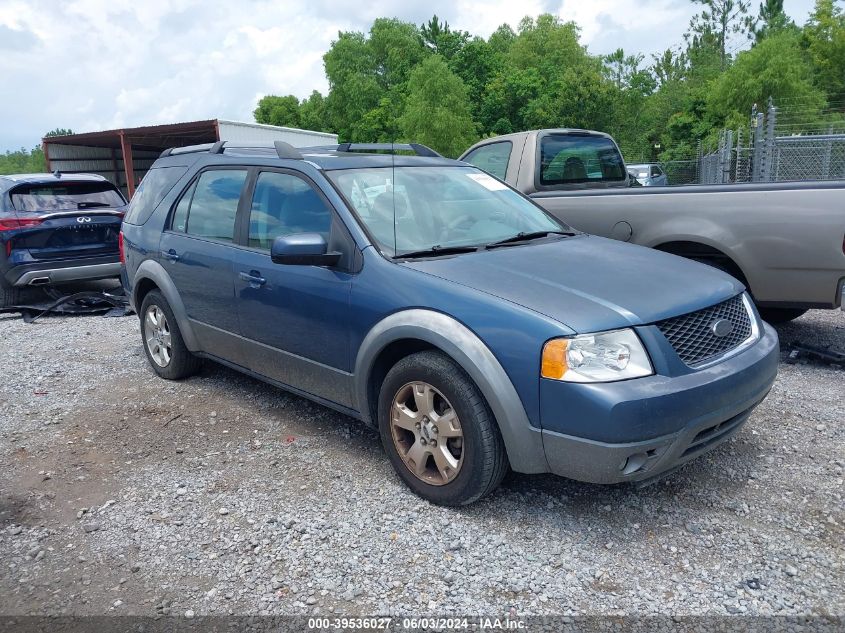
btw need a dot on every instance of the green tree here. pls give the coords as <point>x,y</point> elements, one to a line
<point>438,112</point>
<point>824,41</point>
<point>59,131</point>
<point>273,110</point>
<point>773,68</point>
<point>621,68</point>
<point>771,18</point>
<point>313,114</point>
<point>720,19</point>
<point>440,39</point>
<point>367,79</point>
<point>23,161</point>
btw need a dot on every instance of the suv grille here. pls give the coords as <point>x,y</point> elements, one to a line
<point>693,337</point>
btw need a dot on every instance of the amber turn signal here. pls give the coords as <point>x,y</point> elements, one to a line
<point>554,359</point>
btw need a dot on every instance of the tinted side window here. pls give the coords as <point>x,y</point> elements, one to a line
<point>655,171</point>
<point>566,159</point>
<point>215,204</point>
<point>179,222</point>
<point>492,158</point>
<point>284,204</point>
<point>156,184</point>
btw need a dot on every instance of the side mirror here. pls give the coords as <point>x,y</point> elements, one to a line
<point>303,249</point>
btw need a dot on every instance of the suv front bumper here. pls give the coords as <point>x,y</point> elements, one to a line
<point>705,408</point>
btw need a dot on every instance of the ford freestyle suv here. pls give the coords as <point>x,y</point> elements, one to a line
<point>435,303</point>
<point>57,228</point>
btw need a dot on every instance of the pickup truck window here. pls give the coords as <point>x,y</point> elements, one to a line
<point>414,208</point>
<point>570,159</point>
<point>492,158</point>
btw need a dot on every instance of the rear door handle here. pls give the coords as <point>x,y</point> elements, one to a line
<point>171,255</point>
<point>253,278</point>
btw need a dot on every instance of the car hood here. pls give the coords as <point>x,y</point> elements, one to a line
<point>588,283</point>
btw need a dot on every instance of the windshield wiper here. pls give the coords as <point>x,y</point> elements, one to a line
<point>526,236</point>
<point>437,250</point>
<point>88,205</point>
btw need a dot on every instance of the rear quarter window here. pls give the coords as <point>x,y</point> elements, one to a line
<point>573,159</point>
<point>153,188</point>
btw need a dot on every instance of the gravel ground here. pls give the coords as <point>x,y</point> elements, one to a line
<point>125,494</point>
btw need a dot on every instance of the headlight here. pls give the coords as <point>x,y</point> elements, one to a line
<point>601,357</point>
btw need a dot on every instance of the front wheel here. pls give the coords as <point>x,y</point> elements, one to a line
<point>163,344</point>
<point>438,431</point>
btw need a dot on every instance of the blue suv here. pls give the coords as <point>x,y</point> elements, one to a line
<point>435,303</point>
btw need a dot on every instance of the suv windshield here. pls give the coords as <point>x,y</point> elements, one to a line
<point>409,209</point>
<point>66,196</point>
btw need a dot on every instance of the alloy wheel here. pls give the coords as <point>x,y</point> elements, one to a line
<point>427,433</point>
<point>157,336</point>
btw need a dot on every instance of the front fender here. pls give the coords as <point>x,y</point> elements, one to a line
<point>523,442</point>
<point>155,272</point>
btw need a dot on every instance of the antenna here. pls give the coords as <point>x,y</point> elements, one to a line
<point>393,193</point>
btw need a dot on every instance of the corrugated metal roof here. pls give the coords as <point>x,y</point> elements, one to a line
<point>279,128</point>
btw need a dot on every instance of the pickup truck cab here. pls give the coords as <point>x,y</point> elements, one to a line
<point>435,303</point>
<point>785,240</point>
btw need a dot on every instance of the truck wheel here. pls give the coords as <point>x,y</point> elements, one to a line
<point>438,431</point>
<point>162,340</point>
<point>780,315</point>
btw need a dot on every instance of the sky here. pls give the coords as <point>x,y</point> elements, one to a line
<point>102,64</point>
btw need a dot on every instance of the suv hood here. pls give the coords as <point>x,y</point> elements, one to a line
<point>588,283</point>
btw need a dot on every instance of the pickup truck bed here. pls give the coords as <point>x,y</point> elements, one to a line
<point>785,240</point>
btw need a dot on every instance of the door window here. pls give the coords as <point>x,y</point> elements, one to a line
<point>492,158</point>
<point>214,204</point>
<point>284,204</point>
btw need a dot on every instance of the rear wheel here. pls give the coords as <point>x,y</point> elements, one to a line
<point>438,431</point>
<point>18,295</point>
<point>780,315</point>
<point>162,340</point>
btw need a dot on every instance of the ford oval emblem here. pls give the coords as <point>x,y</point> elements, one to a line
<point>721,328</point>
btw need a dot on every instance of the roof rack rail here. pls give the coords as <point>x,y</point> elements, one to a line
<point>283,150</point>
<point>417,148</point>
<point>186,149</point>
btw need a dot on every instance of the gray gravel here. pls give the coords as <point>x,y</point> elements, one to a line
<point>125,494</point>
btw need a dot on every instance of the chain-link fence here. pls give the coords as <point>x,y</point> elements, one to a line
<point>769,150</point>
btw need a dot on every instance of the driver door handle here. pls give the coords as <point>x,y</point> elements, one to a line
<point>253,278</point>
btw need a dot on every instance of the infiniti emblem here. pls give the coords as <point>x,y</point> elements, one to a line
<point>721,328</point>
<point>83,218</point>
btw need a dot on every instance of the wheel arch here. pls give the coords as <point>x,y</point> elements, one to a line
<point>152,276</point>
<point>408,331</point>
<point>692,249</point>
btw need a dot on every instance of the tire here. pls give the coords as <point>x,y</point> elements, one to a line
<point>18,295</point>
<point>780,315</point>
<point>458,413</point>
<point>9,295</point>
<point>158,330</point>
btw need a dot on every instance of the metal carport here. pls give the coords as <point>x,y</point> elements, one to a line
<point>124,155</point>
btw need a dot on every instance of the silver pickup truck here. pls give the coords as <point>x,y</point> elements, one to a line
<point>785,241</point>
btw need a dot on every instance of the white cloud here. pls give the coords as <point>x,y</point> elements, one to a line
<point>98,64</point>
